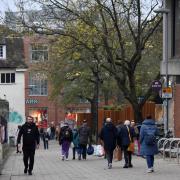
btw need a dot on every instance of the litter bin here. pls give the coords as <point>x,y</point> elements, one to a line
<point>12,141</point>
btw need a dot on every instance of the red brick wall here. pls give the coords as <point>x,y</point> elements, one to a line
<point>177,111</point>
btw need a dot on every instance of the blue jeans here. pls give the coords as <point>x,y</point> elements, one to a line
<point>150,160</point>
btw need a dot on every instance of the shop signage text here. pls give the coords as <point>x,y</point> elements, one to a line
<point>31,101</point>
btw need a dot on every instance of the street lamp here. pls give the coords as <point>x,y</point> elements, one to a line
<point>165,13</point>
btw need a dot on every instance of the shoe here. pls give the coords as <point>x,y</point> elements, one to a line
<point>152,169</point>
<point>149,170</point>
<point>30,173</point>
<point>109,166</point>
<point>79,157</point>
<point>130,166</point>
<point>67,159</point>
<point>125,166</point>
<point>25,170</point>
<point>62,157</point>
<point>73,158</point>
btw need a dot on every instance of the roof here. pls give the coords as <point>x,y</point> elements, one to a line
<point>14,53</point>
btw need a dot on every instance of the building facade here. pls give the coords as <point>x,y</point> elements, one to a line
<point>37,88</point>
<point>171,67</point>
<point>12,82</point>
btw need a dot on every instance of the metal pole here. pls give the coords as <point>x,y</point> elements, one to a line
<point>166,65</point>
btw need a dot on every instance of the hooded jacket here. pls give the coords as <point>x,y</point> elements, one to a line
<point>108,135</point>
<point>148,149</point>
<point>30,134</point>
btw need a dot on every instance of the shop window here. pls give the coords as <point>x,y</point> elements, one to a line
<point>40,116</point>
<point>38,85</point>
<point>7,78</point>
<point>39,52</point>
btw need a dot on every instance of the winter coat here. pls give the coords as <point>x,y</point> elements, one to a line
<point>123,136</point>
<point>148,149</point>
<point>84,134</point>
<point>63,136</point>
<point>30,134</point>
<point>108,135</point>
<point>75,138</point>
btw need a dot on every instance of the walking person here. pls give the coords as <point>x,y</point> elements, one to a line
<point>75,142</point>
<point>148,141</point>
<point>125,137</point>
<point>108,135</point>
<point>30,134</point>
<point>65,138</point>
<point>46,139</point>
<point>84,138</point>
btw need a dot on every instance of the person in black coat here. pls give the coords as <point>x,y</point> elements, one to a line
<point>65,138</point>
<point>125,137</point>
<point>108,135</point>
<point>30,134</point>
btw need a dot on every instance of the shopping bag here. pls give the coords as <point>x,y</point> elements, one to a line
<point>117,154</point>
<point>90,150</point>
<point>99,151</point>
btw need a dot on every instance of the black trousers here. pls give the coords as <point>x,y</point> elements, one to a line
<point>28,158</point>
<point>127,155</point>
<point>109,156</point>
<point>82,150</point>
<point>45,144</point>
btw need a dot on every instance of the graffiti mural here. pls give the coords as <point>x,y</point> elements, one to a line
<point>15,117</point>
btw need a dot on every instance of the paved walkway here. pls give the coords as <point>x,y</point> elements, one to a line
<point>49,166</point>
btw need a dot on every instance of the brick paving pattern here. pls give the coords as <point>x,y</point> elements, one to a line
<point>49,166</point>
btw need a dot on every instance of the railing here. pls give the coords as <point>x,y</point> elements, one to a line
<point>169,147</point>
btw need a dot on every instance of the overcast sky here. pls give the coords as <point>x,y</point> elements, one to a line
<point>5,4</point>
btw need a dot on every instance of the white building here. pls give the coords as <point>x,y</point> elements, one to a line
<point>12,81</point>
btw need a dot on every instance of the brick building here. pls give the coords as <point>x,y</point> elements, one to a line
<point>37,88</point>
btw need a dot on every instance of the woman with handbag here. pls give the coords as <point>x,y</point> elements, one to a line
<point>125,141</point>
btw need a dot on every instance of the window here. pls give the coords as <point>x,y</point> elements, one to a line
<point>39,52</point>
<point>38,84</point>
<point>7,78</point>
<point>2,52</point>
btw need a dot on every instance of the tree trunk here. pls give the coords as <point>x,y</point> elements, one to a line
<point>137,113</point>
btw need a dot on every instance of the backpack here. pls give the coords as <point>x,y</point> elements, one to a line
<point>67,133</point>
<point>150,138</point>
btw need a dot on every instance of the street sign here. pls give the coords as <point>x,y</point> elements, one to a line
<point>167,92</point>
<point>156,85</point>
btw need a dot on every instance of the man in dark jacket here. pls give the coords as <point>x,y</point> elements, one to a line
<point>108,135</point>
<point>30,134</point>
<point>84,136</point>
<point>125,137</point>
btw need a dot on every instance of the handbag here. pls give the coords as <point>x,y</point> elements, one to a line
<point>131,145</point>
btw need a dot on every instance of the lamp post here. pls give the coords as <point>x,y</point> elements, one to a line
<point>165,13</point>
